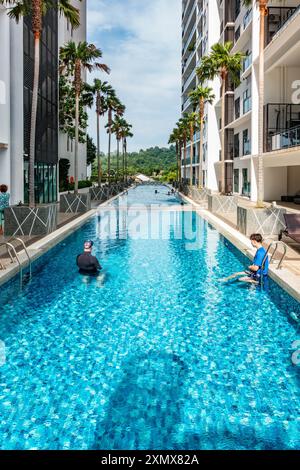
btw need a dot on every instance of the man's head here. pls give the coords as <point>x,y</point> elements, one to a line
<point>3,188</point>
<point>256,240</point>
<point>88,246</point>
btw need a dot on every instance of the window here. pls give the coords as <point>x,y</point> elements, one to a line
<point>236,178</point>
<point>236,145</point>
<point>247,103</point>
<point>246,143</point>
<point>237,108</point>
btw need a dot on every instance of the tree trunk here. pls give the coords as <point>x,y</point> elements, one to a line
<point>98,150</point>
<point>261,100</point>
<point>76,142</point>
<point>191,153</point>
<point>34,105</point>
<point>184,173</point>
<point>177,162</point>
<point>109,144</point>
<point>126,161</point>
<point>201,107</point>
<point>123,159</point>
<point>118,156</point>
<point>223,138</point>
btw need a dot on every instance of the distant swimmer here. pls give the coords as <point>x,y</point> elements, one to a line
<point>156,192</point>
<point>86,262</point>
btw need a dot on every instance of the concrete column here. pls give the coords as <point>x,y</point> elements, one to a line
<point>5,177</point>
<point>17,112</point>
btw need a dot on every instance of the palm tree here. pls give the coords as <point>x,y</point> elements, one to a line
<point>75,59</point>
<point>192,120</point>
<point>113,105</point>
<point>176,138</point>
<point>184,129</point>
<point>262,4</point>
<point>118,124</point>
<point>100,90</point>
<point>200,97</point>
<point>221,62</point>
<point>126,133</point>
<point>37,9</point>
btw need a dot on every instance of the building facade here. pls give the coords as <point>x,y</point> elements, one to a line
<point>207,22</point>
<point>16,82</point>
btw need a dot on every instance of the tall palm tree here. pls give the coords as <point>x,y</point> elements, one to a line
<point>192,120</point>
<point>126,133</point>
<point>114,106</point>
<point>176,138</point>
<point>37,9</point>
<point>75,59</point>
<point>100,90</point>
<point>263,10</point>
<point>223,63</point>
<point>118,124</point>
<point>200,97</point>
<point>184,129</point>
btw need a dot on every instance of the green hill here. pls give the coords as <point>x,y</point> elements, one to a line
<point>152,161</point>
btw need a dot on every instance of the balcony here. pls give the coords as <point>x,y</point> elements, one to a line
<point>276,19</point>
<point>282,126</point>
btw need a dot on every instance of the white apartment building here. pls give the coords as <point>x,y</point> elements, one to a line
<point>66,147</point>
<point>16,81</point>
<point>207,22</point>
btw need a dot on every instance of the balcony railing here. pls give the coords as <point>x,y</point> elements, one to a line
<point>282,121</point>
<point>277,17</point>
<point>286,139</point>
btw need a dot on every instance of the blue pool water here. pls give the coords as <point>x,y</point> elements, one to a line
<point>159,354</point>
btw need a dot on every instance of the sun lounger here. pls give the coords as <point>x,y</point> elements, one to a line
<point>292,230</point>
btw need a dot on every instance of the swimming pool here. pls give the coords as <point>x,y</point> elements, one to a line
<point>159,355</point>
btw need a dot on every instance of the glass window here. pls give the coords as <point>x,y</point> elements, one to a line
<point>236,181</point>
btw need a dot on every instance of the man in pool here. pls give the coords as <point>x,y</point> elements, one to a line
<point>86,262</point>
<point>260,265</point>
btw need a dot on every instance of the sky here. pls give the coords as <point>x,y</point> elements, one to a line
<point>141,43</point>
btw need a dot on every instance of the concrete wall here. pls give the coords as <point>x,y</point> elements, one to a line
<point>275,183</point>
<point>293,180</point>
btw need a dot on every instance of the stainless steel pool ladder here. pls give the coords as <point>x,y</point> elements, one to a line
<point>14,256</point>
<point>275,245</point>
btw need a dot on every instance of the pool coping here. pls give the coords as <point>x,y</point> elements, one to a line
<point>42,246</point>
<point>283,277</point>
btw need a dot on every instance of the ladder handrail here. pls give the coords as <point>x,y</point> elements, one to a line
<point>9,247</point>
<point>25,249</point>
<point>276,243</point>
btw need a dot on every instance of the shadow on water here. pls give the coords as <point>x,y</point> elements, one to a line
<point>145,410</point>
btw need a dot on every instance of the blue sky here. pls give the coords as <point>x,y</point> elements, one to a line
<point>141,43</point>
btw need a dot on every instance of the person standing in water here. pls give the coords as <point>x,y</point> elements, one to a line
<point>86,262</point>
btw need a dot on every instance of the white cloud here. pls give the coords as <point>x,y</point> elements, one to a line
<point>141,42</point>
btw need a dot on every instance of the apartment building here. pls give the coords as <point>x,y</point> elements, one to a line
<point>16,82</point>
<point>232,21</point>
<point>66,146</point>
